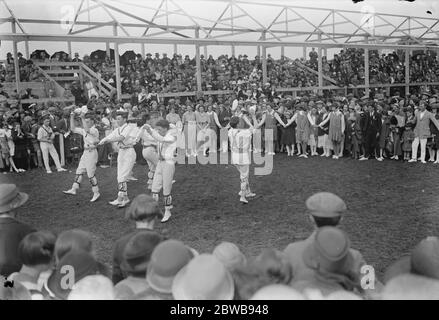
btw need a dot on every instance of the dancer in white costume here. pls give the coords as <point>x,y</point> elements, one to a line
<point>89,158</point>
<point>240,136</point>
<point>125,136</point>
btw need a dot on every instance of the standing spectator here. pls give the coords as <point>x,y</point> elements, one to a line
<point>190,132</point>
<point>407,139</point>
<point>12,231</point>
<point>336,128</point>
<point>422,131</point>
<point>371,131</point>
<point>46,137</point>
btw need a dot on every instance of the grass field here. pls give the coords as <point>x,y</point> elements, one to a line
<point>392,205</point>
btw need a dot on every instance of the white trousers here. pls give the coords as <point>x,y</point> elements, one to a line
<point>88,162</point>
<point>415,145</point>
<point>125,163</point>
<point>46,149</point>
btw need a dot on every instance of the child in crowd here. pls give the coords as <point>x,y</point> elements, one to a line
<point>407,138</point>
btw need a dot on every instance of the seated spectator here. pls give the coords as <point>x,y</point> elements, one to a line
<point>204,278</point>
<point>422,261</point>
<point>167,259</point>
<point>36,253</point>
<point>333,264</point>
<point>12,231</point>
<point>230,255</point>
<point>144,211</point>
<point>325,209</point>
<point>136,257</point>
<point>76,240</point>
<point>73,240</point>
<point>411,287</point>
<point>73,266</point>
<point>93,287</point>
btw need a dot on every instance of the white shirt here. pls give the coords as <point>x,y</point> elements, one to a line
<point>240,142</point>
<point>147,139</point>
<point>90,137</point>
<point>129,132</point>
<point>44,133</point>
<point>167,144</point>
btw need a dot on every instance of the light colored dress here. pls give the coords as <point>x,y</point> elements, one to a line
<point>335,133</point>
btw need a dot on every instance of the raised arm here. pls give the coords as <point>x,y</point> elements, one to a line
<point>73,127</point>
<point>167,138</point>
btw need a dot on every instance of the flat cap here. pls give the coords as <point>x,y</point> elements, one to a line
<point>325,204</point>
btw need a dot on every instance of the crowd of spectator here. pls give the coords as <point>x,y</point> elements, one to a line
<point>149,266</point>
<point>376,127</point>
<point>163,74</point>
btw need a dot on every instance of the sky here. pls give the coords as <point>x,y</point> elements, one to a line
<point>62,9</point>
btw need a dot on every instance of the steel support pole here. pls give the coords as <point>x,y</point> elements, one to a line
<point>117,64</point>
<point>197,60</point>
<point>16,65</point>
<point>26,49</point>
<point>407,71</point>
<point>264,59</point>
<point>142,49</point>
<point>320,66</point>
<point>366,68</point>
<point>69,49</point>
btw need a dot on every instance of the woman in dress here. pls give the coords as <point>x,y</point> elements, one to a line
<point>288,137</point>
<point>302,130</point>
<point>312,118</point>
<point>190,131</point>
<point>336,128</point>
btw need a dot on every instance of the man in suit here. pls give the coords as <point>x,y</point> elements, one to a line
<point>422,130</point>
<point>371,130</point>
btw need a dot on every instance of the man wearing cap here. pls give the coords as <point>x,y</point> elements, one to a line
<point>326,209</point>
<point>125,137</point>
<point>89,158</point>
<point>333,265</point>
<point>46,137</point>
<point>164,174</point>
<point>12,231</point>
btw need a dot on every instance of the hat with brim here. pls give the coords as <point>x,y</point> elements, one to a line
<point>329,252</point>
<point>423,261</point>
<point>167,259</point>
<point>204,278</point>
<point>11,198</point>
<point>138,250</point>
<point>80,262</point>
